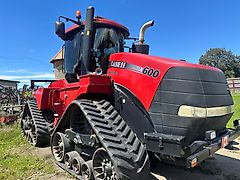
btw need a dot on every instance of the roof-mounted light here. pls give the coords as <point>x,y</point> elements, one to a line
<point>78,15</point>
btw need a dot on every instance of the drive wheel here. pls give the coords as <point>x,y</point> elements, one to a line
<point>103,167</point>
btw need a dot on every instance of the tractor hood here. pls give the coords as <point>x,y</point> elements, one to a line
<point>143,60</point>
<point>181,98</point>
<point>146,73</point>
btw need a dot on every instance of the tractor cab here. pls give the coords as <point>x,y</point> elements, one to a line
<point>88,45</point>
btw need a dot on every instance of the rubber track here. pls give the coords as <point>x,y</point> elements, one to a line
<point>127,152</point>
<point>41,126</point>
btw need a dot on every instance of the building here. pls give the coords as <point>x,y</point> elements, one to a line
<point>8,92</point>
<point>234,84</point>
<point>9,84</point>
<point>57,62</point>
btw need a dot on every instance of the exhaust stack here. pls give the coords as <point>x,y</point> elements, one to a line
<point>143,29</point>
<point>140,47</point>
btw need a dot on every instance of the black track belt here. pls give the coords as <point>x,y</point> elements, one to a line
<point>127,153</point>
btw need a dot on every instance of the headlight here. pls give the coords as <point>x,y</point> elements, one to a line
<point>210,135</point>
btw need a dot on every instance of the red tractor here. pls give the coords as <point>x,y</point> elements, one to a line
<point>116,110</point>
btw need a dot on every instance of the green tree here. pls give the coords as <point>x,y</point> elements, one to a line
<point>225,60</point>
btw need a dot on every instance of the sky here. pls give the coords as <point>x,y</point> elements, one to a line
<point>183,29</point>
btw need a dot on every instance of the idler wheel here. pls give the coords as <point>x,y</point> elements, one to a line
<point>87,170</point>
<point>103,167</point>
<point>60,146</point>
<point>77,164</point>
<point>69,158</point>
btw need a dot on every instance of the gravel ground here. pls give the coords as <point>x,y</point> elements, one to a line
<point>224,165</point>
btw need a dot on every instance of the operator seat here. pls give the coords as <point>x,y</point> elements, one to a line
<point>104,46</point>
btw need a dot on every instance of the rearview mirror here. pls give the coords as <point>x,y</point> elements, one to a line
<point>60,29</point>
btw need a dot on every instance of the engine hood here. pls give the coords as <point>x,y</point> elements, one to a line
<point>142,59</point>
<point>141,74</point>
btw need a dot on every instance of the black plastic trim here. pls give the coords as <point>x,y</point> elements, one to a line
<point>193,87</point>
<point>132,111</point>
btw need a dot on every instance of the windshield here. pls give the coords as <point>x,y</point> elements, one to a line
<point>72,53</point>
<point>106,42</point>
<point>108,39</point>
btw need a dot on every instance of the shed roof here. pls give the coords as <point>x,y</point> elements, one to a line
<point>4,80</point>
<point>59,56</point>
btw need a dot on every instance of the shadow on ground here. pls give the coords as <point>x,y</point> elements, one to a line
<point>217,168</point>
<point>225,165</point>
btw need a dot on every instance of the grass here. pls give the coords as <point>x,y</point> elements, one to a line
<point>236,115</point>
<point>16,159</point>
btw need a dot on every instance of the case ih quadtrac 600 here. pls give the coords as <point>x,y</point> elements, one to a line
<point>115,109</point>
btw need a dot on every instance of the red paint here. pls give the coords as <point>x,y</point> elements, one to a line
<point>8,119</point>
<point>102,21</point>
<point>60,94</point>
<point>142,86</point>
<point>71,28</point>
<point>110,22</point>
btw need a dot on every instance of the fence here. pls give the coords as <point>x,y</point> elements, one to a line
<point>234,84</point>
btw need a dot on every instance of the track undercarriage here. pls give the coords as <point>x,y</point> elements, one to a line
<point>36,125</point>
<point>99,144</point>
